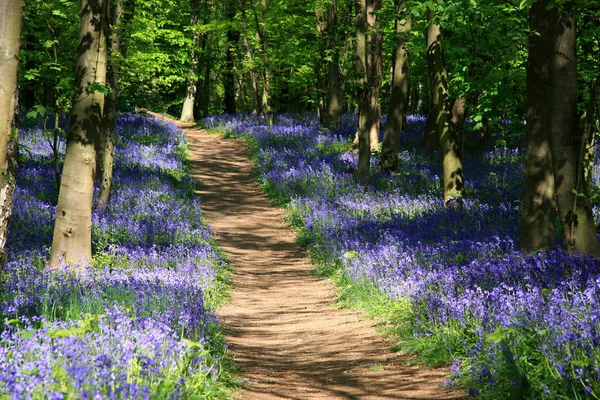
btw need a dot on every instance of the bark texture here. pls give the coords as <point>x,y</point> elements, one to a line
<point>399,101</point>
<point>539,202</point>
<point>11,17</point>
<point>72,241</point>
<point>233,37</point>
<point>107,142</point>
<point>374,72</point>
<point>574,207</point>
<point>439,121</point>
<point>187,112</point>
<point>256,104</point>
<point>364,140</point>
<point>334,87</point>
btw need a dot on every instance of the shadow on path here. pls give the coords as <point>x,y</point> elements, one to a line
<point>288,339</point>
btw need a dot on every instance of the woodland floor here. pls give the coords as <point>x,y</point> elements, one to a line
<point>283,328</point>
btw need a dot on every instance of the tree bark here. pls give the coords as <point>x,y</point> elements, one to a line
<point>187,113</point>
<point>334,88</point>
<point>72,240</point>
<point>374,71</point>
<point>11,17</point>
<point>107,142</point>
<point>398,104</point>
<point>539,201</point>
<point>364,139</point>
<point>233,37</point>
<point>256,104</point>
<point>439,122</point>
<point>574,207</point>
<point>320,17</point>
<point>263,36</point>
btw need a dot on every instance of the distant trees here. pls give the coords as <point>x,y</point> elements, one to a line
<point>479,59</point>
<point>11,17</point>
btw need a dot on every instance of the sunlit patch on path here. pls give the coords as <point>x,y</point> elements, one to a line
<point>288,339</point>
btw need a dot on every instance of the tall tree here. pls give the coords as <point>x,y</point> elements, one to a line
<point>399,100</point>
<point>539,202</point>
<point>335,91</point>
<point>107,135</point>
<point>72,240</point>
<point>11,17</point>
<point>263,35</point>
<point>256,104</point>
<point>364,139</point>
<point>374,70</point>
<point>233,37</point>
<point>187,113</point>
<point>568,148</point>
<point>439,121</point>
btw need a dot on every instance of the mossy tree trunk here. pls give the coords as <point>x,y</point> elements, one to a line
<point>72,240</point>
<point>439,122</point>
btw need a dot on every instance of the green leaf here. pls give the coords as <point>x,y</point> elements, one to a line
<point>351,254</point>
<point>62,333</point>
<point>23,334</point>
<point>193,344</point>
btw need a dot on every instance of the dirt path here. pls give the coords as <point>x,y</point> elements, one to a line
<point>285,334</point>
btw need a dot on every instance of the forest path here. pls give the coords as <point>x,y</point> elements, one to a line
<point>286,335</point>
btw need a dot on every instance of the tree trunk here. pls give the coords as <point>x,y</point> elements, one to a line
<point>398,103</point>
<point>320,16</point>
<point>374,72</point>
<point>364,140</point>
<point>256,104</point>
<point>107,142</point>
<point>589,132</point>
<point>574,207</point>
<point>439,122</point>
<point>539,201</point>
<point>11,17</point>
<point>262,31</point>
<point>72,241</point>
<point>187,113</point>
<point>233,38</point>
<point>334,87</point>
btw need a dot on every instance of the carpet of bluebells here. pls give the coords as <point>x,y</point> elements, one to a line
<point>139,323</point>
<point>513,326</point>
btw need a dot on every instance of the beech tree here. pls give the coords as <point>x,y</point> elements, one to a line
<point>11,17</point>
<point>399,97</point>
<point>574,208</point>
<point>187,113</point>
<point>106,148</point>
<point>363,134</point>
<point>329,87</point>
<point>72,241</point>
<point>233,37</point>
<point>539,203</point>
<point>439,128</point>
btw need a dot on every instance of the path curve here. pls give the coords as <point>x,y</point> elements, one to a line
<point>286,335</point>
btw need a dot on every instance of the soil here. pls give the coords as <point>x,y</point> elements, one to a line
<point>283,328</point>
